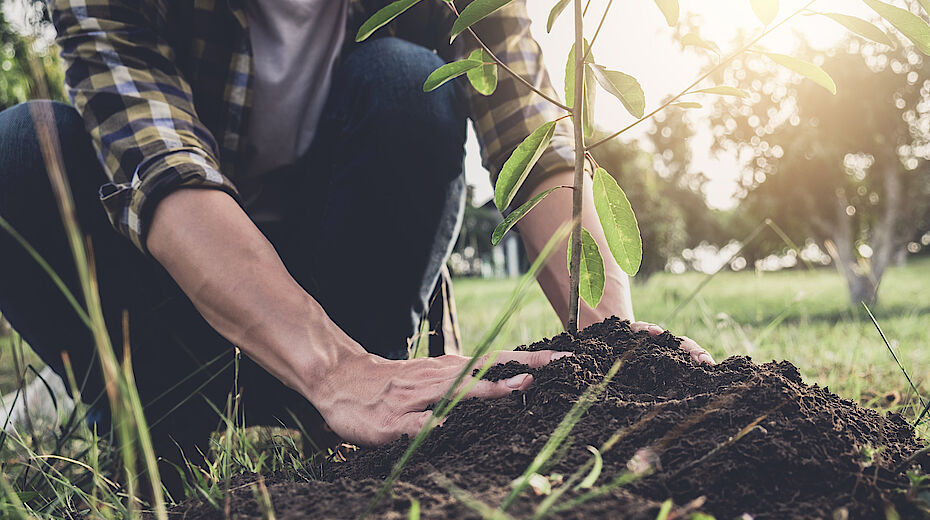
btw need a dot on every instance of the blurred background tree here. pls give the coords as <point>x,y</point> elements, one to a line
<point>29,65</point>
<point>663,189</point>
<point>849,172</point>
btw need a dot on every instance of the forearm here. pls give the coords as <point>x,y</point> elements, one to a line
<point>236,280</point>
<point>538,226</point>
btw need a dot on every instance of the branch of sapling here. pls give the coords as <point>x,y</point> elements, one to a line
<point>711,71</point>
<point>598,30</point>
<point>507,69</point>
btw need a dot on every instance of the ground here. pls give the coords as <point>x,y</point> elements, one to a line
<point>800,316</point>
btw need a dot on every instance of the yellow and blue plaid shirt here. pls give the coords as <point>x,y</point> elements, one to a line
<point>164,89</point>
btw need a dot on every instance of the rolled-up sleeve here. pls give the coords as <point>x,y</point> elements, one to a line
<point>505,118</point>
<point>138,108</point>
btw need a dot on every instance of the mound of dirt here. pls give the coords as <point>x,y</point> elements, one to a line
<point>736,438</point>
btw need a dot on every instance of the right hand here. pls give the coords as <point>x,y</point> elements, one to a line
<point>369,400</point>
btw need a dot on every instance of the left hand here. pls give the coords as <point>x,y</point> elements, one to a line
<point>698,354</point>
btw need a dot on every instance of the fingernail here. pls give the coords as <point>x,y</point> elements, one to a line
<point>560,355</point>
<point>655,330</point>
<point>705,358</point>
<point>516,381</point>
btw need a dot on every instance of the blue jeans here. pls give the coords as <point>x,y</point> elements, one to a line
<point>376,208</point>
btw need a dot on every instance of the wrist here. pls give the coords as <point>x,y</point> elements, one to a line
<point>327,350</point>
<point>308,345</point>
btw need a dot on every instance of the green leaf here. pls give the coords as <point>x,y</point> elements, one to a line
<point>910,25</point>
<point>724,90</point>
<point>687,104</point>
<point>414,513</point>
<point>570,73</point>
<point>518,166</point>
<point>862,28</point>
<point>483,78</point>
<point>555,12</point>
<point>766,10</point>
<point>623,87</point>
<point>693,40</point>
<point>595,472</point>
<point>806,69</point>
<point>448,72</point>
<point>587,108</point>
<point>670,10</point>
<point>618,221</point>
<point>516,215</point>
<point>383,17</point>
<point>591,272</point>
<point>587,112</point>
<point>475,12</point>
<point>665,509</point>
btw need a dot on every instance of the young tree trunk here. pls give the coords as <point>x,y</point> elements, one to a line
<point>577,195</point>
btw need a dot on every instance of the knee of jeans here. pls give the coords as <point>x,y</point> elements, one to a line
<point>22,165</point>
<point>392,72</point>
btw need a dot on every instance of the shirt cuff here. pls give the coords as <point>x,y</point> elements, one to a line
<point>130,206</point>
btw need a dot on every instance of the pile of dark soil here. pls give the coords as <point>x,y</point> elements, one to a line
<point>729,439</point>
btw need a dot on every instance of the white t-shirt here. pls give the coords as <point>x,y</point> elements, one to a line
<point>294,46</point>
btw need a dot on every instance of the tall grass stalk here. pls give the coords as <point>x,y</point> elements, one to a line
<point>561,432</point>
<point>455,394</point>
<point>121,390</point>
<point>898,361</point>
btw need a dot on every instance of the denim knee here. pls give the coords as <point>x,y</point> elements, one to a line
<point>392,72</point>
<point>22,166</point>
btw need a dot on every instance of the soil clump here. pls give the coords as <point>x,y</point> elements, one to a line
<point>732,439</point>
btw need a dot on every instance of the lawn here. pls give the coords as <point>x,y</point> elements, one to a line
<point>801,316</point>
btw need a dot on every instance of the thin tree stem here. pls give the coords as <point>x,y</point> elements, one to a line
<point>704,76</point>
<point>510,71</point>
<point>578,192</point>
<point>598,30</point>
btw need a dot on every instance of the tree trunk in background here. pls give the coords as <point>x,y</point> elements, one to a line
<point>862,289</point>
<point>864,275</point>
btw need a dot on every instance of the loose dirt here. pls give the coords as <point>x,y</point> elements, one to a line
<point>736,438</point>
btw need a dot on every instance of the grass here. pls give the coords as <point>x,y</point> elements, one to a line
<point>802,316</point>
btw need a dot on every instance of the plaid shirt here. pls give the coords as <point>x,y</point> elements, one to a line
<point>164,89</point>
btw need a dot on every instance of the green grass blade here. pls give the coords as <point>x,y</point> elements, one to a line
<point>894,355</point>
<point>48,270</point>
<point>452,397</point>
<point>561,432</point>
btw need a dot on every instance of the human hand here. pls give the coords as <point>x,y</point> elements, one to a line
<point>698,354</point>
<point>369,400</point>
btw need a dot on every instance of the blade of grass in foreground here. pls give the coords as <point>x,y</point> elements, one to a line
<point>561,432</point>
<point>896,360</point>
<point>453,396</point>
<point>48,269</point>
<point>127,414</point>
